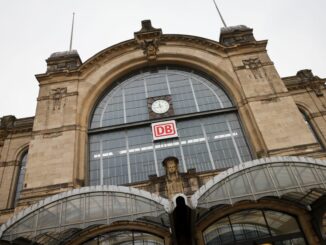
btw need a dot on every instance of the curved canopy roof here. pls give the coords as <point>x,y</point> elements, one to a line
<point>56,218</point>
<point>60,217</point>
<point>298,179</point>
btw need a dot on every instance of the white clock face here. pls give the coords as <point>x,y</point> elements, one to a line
<point>160,106</point>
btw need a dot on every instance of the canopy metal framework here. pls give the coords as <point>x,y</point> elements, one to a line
<point>63,216</point>
<point>299,179</point>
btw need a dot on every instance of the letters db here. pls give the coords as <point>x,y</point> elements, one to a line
<point>164,130</point>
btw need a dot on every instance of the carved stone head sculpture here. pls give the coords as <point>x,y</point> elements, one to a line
<point>174,183</point>
<point>171,167</point>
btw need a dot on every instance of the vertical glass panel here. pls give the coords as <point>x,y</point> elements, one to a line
<point>141,153</point>
<point>221,130</point>
<point>21,177</point>
<point>283,176</point>
<point>261,179</point>
<point>156,84</point>
<point>182,96</point>
<point>120,205</point>
<point>281,223</point>
<point>96,207</point>
<point>193,143</point>
<point>27,224</point>
<point>73,210</point>
<point>135,100</point>
<point>306,175</point>
<point>49,216</point>
<point>239,186</point>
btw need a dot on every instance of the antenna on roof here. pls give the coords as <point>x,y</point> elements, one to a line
<point>220,14</point>
<point>72,30</point>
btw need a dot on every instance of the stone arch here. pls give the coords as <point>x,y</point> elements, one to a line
<point>100,72</point>
<point>20,150</point>
<point>106,71</point>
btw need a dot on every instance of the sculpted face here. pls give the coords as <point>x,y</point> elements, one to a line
<point>171,167</point>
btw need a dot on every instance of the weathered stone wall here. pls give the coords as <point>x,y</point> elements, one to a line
<point>15,137</point>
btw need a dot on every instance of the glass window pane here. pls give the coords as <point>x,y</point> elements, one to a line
<point>249,224</point>
<point>21,177</point>
<point>219,233</point>
<point>127,102</point>
<point>281,223</point>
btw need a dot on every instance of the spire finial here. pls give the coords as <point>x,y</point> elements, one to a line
<point>220,14</point>
<point>72,31</point>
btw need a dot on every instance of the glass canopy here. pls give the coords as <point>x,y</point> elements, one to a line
<point>61,216</point>
<point>295,178</point>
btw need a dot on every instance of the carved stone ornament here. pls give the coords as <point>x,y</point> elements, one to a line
<point>255,66</point>
<point>174,183</point>
<point>306,76</point>
<point>57,95</point>
<point>6,123</point>
<point>148,39</point>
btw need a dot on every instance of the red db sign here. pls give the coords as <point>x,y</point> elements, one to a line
<point>164,130</point>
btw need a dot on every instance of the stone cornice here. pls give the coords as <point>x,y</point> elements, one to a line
<point>165,40</point>
<point>11,125</point>
<point>304,79</point>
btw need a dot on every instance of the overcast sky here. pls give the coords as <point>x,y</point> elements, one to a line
<point>32,30</point>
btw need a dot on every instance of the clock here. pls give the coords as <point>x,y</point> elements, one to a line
<point>160,106</point>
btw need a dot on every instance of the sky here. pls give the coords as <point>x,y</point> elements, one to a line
<point>31,30</point>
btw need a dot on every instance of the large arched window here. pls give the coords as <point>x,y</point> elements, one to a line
<point>122,149</point>
<point>255,227</point>
<point>21,176</point>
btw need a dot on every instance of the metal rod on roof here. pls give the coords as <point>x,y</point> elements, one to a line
<point>220,14</point>
<point>72,30</point>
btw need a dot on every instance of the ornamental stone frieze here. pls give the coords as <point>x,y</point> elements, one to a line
<point>148,39</point>
<point>57,95</point>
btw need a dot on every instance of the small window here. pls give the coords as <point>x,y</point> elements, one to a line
<point>21,177</point>
<point>310,126</point>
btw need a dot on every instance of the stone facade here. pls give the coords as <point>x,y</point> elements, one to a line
<point>269,108</point>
